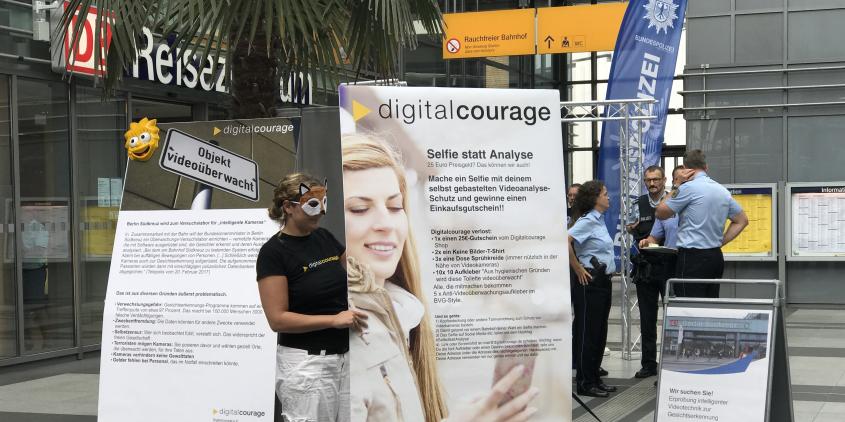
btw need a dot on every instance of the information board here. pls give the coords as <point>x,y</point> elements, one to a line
<point>758,242</point>
<point>816,221</point>
<point>724,359</point>
<point>714,364</point>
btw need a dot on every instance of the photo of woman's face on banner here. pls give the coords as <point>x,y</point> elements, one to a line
<point>454,204</point>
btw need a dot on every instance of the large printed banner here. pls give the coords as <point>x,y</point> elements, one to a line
<point>184,333</point>
<point>714,365</point>
<point>485,205</point>
<point>643,67</point>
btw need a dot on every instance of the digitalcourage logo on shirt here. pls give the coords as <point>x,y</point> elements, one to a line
<point>316,264</point>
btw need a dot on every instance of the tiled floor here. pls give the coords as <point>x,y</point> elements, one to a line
<point>65,390</point>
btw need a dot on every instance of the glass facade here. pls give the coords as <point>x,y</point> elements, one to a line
<point>44,214</point>
<point>62,164</point>
<point>8,274</point>
<point>100,124</point>
<point>586,79</point>
<point>16,30</point>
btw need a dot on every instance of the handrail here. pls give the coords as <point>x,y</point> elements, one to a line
<point>705,108</point>
<point>603,119</point>
<point>733,301</point>
<point>738,282</point>
<point>24,58</point>
<point>758,71</point>
<point>724,281</point>
<point>607,102</point>
<point>763,88</point>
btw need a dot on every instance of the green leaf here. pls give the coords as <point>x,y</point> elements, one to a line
<point>305,35</point>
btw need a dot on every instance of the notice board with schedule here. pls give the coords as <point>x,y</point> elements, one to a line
<point>758,242</point>
<point>816,221</point>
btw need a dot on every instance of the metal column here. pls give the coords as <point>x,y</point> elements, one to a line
<point>631,112</point>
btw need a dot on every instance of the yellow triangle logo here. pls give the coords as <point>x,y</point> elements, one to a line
<point>305,269</point>
<point>359,110</point>
<point>215,131</point>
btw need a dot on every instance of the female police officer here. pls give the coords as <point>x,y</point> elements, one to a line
<point>592,262</point>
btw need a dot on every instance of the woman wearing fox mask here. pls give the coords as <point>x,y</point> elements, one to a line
<point>302,283</point>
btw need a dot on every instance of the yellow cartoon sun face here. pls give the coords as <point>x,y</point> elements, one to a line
<point>141,139</point>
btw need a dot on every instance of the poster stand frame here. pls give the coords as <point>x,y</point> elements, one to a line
<point>779,386</point>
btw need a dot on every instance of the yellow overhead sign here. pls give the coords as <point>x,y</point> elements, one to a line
<point>545,30</point>
<point>573,29</point>
<point>488,34</point>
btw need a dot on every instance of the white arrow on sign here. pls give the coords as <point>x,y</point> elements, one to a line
<point>206,163</point>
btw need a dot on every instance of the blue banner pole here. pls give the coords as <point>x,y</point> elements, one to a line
<point>643,67</point>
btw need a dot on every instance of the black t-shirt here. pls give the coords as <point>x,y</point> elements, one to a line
<point>316,283</point>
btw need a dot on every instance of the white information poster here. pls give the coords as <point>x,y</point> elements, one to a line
<point>185,337</point>
<point>45,231</point>
<point>486,206</point>
<point>818,221</point>
<point>183,333</point>
<point>714,365</point>
<point>104,192</point>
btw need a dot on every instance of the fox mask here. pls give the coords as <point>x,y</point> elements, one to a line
<point>313,200</point>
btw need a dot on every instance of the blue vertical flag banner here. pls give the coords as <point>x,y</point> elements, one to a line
<point>643,67</point>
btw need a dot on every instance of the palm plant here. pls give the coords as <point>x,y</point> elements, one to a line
<point>261,39</point>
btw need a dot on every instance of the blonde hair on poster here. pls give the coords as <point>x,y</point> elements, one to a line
<point>363,152</point>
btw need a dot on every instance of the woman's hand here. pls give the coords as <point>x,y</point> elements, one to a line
<point>487,409</point>
<point>584,276</point>
<point>350,318</point>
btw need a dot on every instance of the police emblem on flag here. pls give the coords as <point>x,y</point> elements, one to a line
<point>661,14</point>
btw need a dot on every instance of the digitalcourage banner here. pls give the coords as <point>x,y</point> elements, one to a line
<point>184,334</point>
<point>486,206</point>
<point>643,67</point>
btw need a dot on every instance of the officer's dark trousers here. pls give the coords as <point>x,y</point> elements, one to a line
<point>699,263</point>
<point>651,287</point>
<point>648,293</point>
<point>591,304</point>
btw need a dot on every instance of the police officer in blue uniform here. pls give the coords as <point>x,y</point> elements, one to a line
<point>653,271</point>
<point>703,206</point>
<point>591,262</point>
